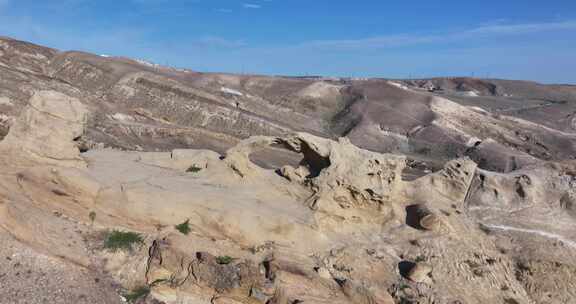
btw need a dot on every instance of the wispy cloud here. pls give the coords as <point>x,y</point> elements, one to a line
<point>217,42</point>
<point>524,28</point>
<point>251,5</point>
<point>223,10</point>
<point>398,40</point>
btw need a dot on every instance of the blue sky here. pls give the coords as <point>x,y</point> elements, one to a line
<point>517,39</point>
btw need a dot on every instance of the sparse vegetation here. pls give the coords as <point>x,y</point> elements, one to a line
<point>420,258</point>
<point>403,286</point>
<point>141,292</point>
<point>184,228</point>
<point>158,281</point>
<point>194,169</point>
<point>485,229</point>
<point>137,293</point>
<point>404,300</point>
<point>224,260</point>
<point>92,217</point>
<point>119,240</point>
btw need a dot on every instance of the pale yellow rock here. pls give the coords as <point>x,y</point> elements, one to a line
<point>342,208</point>
<point>349,184</point>
<point>324,273</point>
<point>180,159</point>
<point>44,133</point>
<point>420,273</point>
<point>447,186</point>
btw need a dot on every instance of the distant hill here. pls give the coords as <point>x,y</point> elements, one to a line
<point>140,105</point>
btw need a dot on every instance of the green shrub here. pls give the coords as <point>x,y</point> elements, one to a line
<point>224,260</point>
<point>119,240</point>
<point>137,293</point>
<point>194,169</point>
<point>420,258</point>
<point>184,228</point>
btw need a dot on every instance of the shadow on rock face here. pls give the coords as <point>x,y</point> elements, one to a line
<point>415,272</point>
<point>3,132</point>
<point>314,161</point>
<point>405,267</point>
<point>414,215</point>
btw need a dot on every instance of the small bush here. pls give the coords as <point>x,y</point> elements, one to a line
<point>92,216</point>
<point>137,293</point>
<point>224,260</point>
<point>420,258</point>
<point>194,169</point>
<point>119,240</point>
<point>184,228</point>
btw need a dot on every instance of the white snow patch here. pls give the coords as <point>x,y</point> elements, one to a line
<point>104,55</point>
<point>478,109</point>
<point>146,63</point>
<point>398,85</point>
<point>538,232</point>
<point>231,91</point>
<point>470,93</point>
<point>122,117</point>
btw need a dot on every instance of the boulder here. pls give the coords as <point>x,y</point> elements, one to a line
<point>420,273</point>
<point>45,132</point>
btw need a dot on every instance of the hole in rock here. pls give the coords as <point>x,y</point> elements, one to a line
<point>3,131</point>
<point>404,268</point>
<point>274,157</point>
<point>268,272</point>
<point>315,162</point>
<point>414,213</point>
<point>278,155</point>
<point>81,144</point>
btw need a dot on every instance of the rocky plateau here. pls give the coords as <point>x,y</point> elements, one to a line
<point>122,181</point>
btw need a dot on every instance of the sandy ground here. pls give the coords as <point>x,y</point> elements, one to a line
<point>29,277</point>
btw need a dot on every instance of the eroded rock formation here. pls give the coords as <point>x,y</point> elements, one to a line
<point>45,132</point>
<point>342,226</point>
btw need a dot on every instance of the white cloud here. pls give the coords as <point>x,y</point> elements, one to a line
<point>487,30</point>
<point>524,28</point>
<point>251,5</point>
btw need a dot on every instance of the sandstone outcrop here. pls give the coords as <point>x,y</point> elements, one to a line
<point>45,132</point>
<point>348,184</point>
<point>342,226</point>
